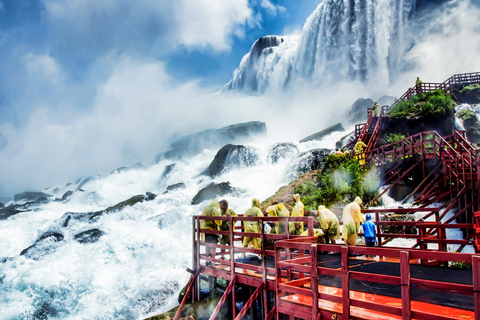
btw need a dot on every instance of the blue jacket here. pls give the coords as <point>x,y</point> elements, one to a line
<point>368,227</point>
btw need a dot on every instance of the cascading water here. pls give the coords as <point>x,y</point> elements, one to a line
<point>72,259</point>
<point>341,40</point>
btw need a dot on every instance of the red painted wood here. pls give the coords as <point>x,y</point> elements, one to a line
<point>476,285</point>
<point>405,282</point>
<point>187,293</point>
<point>249,302</point>
<point>345,284</point>
<point>227,291</point>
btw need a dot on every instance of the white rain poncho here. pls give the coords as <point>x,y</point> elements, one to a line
<point>352,218</point>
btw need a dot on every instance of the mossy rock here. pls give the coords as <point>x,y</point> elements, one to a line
<point>285,193</point>
<point>470,94</point>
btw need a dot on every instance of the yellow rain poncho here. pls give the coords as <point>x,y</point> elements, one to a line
<point>317,233</point>
<point>212,210</point>
<point>359,146</point>
<point>278,210</point>
<point>252,226</point>
<point>297,211</point>
<point>329,223</point>
<point>351,221</point>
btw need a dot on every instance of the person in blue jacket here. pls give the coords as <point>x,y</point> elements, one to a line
<point>369,231</point>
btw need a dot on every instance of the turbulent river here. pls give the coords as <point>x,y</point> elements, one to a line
<point>136,267</point>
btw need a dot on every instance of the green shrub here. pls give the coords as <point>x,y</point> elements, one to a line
<point>394,137</point>
<point>424,104</point>
<point>340,181</point>
<point>465,114</point>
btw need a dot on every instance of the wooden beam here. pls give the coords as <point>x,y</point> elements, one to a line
<point>405,282</point>
<point>222,300</point>
<point>249,303</point>
<point>187,293</point>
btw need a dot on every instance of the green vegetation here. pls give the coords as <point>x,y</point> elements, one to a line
<point>466,114</point>
<point>394,137</point>
<point>424,104</point>
<point>470,88</point>
<point>340,181</point>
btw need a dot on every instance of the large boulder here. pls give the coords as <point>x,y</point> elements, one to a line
<point>470,94</point>
<point>214,190</point>
<point>11,210</point>
<point>47,243</point>
<point>214,138</point>
<point>311,160</point>
<point>471,124</point>
<point>285,193</point>
<point>444,124</point>
<point>231,156</point>
<point>280,151</point>
<point>321,134</point>
<point>30,196</point>
<point>358,111</point>
<point>89,236</point>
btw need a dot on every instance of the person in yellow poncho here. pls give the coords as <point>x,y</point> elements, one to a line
<point>225,226</point>
<point>329,224</point>
<point>352,217</point>
<point>359,146</point>
<point>252,226</point>
<point>278,210</point>
<point>296,228</point>
<point>212,210</point>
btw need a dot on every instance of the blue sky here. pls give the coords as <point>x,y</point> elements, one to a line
<point>87,86</point>
<point>55,53</point>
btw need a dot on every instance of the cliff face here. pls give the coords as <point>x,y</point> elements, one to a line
<point>443,124</point>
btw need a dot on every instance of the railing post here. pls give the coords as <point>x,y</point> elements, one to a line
<point>476,285</point>
<point>314,280</point>
<point>405,282</point>
<point>345,284</point>
<point>310,226</point>
<point>232,263</point>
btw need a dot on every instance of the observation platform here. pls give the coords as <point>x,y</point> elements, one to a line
<point>297,278</point>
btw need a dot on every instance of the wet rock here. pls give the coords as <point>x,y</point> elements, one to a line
<point>167,170</point>
<point>400,190</point>
<point>89,236</point>
<point>281,151</point>
<point>67,195</point>
<point>11,210</point>
<point>129,202</point>
<point>470,94</point>
<point>321,134</point>
<point>311,160</point>
<point>46,244</point>
<point>150,196</point>
<point>398,217</point>
<point>30,196</point>
<point>470,123</point>
<point>444,124</point>
<point>340,144</point>
<point>231,156</point>
<point>358,111</point>
<point>212,191</point>
<point>214,138</point>
<point>176,186</point>
<point>84,182</point>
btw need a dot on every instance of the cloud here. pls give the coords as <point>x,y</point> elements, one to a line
<point>144,26</point>
<point>44,67</point>
<point>134,114</point>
